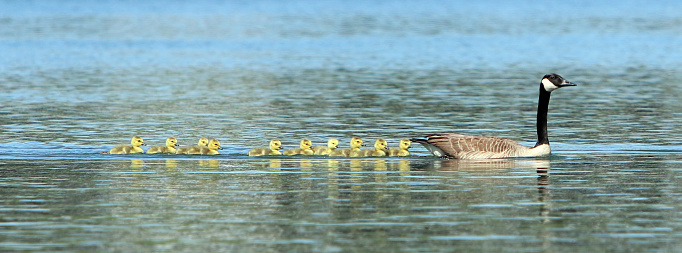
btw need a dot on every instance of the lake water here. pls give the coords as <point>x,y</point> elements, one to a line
<point>79,77</point>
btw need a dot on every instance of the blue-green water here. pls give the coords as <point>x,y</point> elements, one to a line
<point>79,77</point>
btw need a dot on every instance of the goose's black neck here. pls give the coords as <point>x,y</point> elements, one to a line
<point>543,105</point>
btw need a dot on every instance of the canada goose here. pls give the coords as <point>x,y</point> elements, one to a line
<point>402,150</point>
<point>211,149</point>
<point>185,149</point>
<point>353,151</point>
<point>305,148</point>
<point>379,149</point>
<point>171,143</point>
<point>275,146</point>
<point>450,145</point>
<point>332,144</point>
<point>134,147</point>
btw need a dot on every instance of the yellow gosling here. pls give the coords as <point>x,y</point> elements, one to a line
<point>171,143</point>
<point>134,147</point>
<point>379,149</point>
<point>211,149</point>
<point>353,151</point>
<point>402,150</point>
<point>275,146</point>
<point>185,149</point>
<point>305,148</point>
<point>332,145</point>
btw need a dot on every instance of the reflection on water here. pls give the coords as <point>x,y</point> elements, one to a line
<point>489,164</point>
<point>313,204</point>
<point>320,202</point>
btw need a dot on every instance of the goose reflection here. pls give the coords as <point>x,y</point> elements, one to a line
<point>487,164</point>
<point>544,194</point>
<point>491,167</point>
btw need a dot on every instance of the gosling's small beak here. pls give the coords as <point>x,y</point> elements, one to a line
<point>219,147</point>
<point>177,145</point>
<point>143,144</point>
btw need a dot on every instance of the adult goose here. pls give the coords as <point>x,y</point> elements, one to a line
<point>458,146</point>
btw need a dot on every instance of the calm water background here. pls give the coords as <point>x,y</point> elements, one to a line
<point>79,77</point>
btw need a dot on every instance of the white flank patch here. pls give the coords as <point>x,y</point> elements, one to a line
<point>541,150</point>
<point>549,86</point>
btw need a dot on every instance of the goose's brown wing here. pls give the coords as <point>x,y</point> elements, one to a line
<point>467,146</point>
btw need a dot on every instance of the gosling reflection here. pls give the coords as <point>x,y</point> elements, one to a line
<point>333,179</point>
<point>275,165</point>
<point>171,165</point>
<point>356,174</point>
<point>209,163</point>
<point>380,169</point>
<point>403,166</point>
<point>136,164</point>
<point>381,179</point>
<point>306,165</point>
<point>306,178</point>
<point>405,175</point>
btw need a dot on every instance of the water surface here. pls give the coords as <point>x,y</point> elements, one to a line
<point>79,77</point>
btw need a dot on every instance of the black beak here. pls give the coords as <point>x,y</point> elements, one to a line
<point>567,83</point>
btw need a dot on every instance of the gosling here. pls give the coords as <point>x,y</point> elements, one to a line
<point>379,149</point>
<point>402,150</point>
<point>171,143</point>
<point>353,151</point>
<point>134,147</point>
<point>305,148</point>
<point>332,145</point>
<point>185,149</point>
<point>275,146</point>
<point>211,149</point>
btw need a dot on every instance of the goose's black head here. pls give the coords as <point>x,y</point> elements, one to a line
<point>551,82</point>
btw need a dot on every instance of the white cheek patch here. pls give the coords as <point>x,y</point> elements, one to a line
<point>549,86</point>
